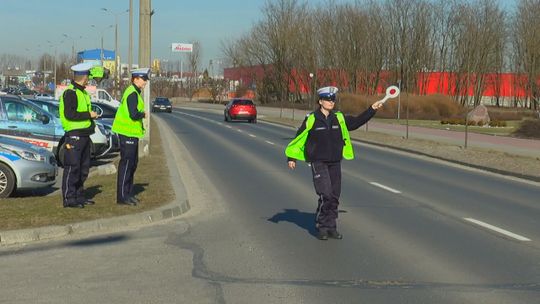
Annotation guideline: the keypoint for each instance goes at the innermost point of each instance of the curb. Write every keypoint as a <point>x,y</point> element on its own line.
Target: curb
<point>169,211</point>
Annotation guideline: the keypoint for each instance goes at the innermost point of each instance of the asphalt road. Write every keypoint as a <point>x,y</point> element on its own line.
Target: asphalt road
<point>415,231</point>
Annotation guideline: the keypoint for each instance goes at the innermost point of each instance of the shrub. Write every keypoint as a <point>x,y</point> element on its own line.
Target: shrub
<point>529,128</point>
<point>500,113</point>
<point>497,123</point>
<point>420,107</point>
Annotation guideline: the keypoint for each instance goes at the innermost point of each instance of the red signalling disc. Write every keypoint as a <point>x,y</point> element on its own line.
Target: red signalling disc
<point>392,91</point>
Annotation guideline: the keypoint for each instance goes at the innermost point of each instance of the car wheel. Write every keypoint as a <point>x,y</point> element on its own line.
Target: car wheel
<point>170,111</point>
<point>59,153</point>
<point>254,120</point>
<point>7,181</point>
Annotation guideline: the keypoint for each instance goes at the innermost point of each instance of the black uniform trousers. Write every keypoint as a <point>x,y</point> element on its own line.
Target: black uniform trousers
<point>76,169</point>
<point>327,182</point>
<point>129,158</point>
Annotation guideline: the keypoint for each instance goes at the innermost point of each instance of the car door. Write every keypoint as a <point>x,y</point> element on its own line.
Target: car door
<point>23,121</point>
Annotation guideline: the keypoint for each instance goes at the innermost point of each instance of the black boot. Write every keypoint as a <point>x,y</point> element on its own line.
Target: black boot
<point>335,234</point>
<point>322,235</point>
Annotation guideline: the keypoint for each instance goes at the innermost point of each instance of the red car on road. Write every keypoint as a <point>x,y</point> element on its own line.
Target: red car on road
<point>240,109</point>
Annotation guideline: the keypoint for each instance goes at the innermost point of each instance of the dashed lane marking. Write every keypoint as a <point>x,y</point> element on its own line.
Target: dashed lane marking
<point>497,229</point>
<point>385,187</point>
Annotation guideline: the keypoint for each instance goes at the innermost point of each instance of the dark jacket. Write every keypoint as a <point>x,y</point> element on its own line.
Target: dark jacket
<point>70,112</point>
<point>325,142</point>
<point>132,101</point>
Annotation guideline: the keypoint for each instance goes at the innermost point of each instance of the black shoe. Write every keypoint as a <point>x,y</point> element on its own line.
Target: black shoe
<point>133,199</point>
<point>322,235</point>
<point>74,206</point>
<point>129,203</point>
<point>89,202</point>
<point>335,234</point>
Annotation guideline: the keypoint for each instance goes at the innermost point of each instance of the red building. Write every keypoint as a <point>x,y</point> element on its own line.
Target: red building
<point>495,85</point>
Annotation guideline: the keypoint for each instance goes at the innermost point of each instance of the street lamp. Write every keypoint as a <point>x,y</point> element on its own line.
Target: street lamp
<point>101,33</point>
<point>116,61</point>
<point>73,43</point>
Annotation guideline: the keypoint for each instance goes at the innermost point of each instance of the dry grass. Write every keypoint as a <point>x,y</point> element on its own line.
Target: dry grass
<point>152,187</point>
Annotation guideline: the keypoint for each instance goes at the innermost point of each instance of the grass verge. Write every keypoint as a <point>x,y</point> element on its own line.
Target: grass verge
<point>152,187</point>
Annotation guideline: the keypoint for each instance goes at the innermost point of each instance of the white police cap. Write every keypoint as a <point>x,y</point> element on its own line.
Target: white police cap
<point>142,72</point>
<point>327,93</point>
<point>82,68</point>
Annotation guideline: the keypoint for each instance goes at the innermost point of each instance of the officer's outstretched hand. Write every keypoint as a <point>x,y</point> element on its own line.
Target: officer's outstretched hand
<point>377,105</point>
<point>93,115</point>
<point>292,164</point>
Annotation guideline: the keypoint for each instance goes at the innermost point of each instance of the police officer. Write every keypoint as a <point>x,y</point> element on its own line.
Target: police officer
<point>128,124</point>
<point>78,122</point>
<point>323,141</point>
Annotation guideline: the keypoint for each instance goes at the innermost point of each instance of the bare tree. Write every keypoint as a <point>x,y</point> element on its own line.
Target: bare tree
<point>526,45</point>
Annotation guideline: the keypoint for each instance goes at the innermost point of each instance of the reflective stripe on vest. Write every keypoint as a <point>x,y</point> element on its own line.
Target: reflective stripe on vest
<point>295,149</point>
<point>123,124</point>
<point>83,105</point>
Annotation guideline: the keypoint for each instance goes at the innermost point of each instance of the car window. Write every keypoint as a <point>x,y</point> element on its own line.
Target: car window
<point>243,102</point>
<point>105,110</point>
<point>20,112</point>
<point>162,101</point>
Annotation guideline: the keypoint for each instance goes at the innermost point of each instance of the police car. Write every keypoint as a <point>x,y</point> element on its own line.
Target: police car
<point>24,166</point>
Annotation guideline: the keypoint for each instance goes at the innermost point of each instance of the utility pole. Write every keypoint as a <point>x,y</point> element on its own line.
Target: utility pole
<point>145,44</point>
<point>130,51</point>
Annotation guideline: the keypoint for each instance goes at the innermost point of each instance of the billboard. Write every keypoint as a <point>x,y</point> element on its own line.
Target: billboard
<point>182,47</point>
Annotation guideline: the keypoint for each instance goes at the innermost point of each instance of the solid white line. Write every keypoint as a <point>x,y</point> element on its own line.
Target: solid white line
<point>252,135</point>
<point>229,127</point>
<point>269,142</point>
<point>497,229</point>
<point>385,187</point>
<point>239,130</point>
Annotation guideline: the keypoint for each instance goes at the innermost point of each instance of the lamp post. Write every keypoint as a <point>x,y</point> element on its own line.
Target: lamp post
<point>101,35</point>
<point>72,43</point>
<point>116,60</point>
<point>54,62</point>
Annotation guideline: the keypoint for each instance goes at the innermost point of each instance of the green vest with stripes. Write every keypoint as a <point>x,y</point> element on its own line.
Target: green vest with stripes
<point>83,105</point>
<point>123,124</point>
<point>295,149</point>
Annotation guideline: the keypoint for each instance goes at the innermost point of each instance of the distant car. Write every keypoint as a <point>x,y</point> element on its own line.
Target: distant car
<point>162,104</point>
<point>24,166</point>
<point>240,109</point>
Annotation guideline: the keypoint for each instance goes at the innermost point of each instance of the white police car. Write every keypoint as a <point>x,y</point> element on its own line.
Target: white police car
<point>24,166</point>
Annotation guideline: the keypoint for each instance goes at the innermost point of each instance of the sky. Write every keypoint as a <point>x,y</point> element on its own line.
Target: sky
<point>33,27</point>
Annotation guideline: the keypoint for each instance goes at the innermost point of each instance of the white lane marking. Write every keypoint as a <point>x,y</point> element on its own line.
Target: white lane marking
<point>269,142</point>
<point>385,187</point>
<point>239,130</point>
<point>251,135</point>
<point>229,127</point>
<point>497,229</point>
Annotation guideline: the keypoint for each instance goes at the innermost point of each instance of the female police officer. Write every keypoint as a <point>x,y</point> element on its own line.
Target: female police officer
<point>323,140</point>
<point>129,126</point>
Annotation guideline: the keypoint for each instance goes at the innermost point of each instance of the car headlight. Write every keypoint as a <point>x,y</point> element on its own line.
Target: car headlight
<point>28,155</point>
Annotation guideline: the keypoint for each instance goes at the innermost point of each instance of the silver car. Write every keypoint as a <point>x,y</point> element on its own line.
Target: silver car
<point>24,166</point>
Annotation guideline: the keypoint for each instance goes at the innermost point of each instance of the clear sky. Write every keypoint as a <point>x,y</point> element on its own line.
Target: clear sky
<point>28,25</point>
